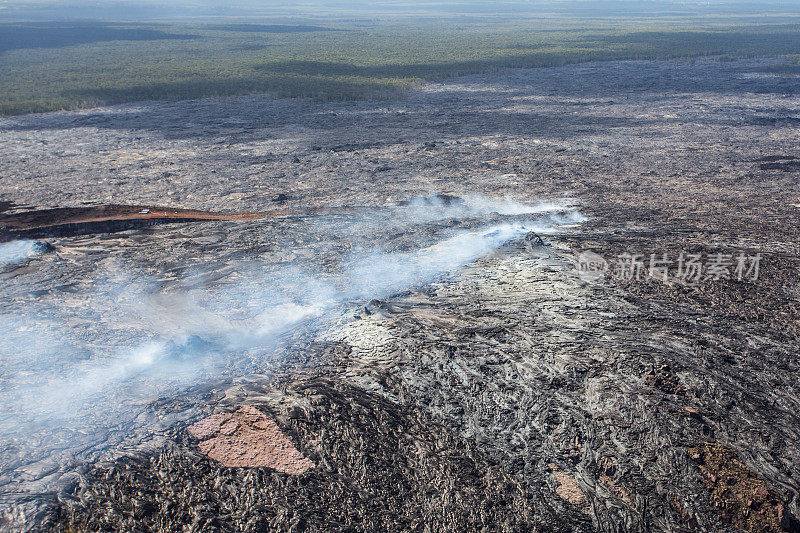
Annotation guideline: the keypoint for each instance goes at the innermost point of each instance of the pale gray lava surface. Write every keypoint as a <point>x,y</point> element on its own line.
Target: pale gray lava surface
<point>508,394</point>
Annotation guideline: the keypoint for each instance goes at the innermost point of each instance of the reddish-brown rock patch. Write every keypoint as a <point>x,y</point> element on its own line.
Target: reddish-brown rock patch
<point>742,499</point>
<point>568,488</point>
<point>247,438</point>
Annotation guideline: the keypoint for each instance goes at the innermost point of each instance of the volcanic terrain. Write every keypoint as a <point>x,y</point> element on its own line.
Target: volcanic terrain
<point>371,316</point>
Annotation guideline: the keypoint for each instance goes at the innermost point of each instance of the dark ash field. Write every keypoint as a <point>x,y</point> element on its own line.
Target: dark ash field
<point>407,344</point>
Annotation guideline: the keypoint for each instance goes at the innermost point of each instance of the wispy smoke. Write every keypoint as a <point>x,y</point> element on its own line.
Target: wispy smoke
<point>53,378</point>
<point>15,252</point>
<point>473,208</point>
<point>379,274</point>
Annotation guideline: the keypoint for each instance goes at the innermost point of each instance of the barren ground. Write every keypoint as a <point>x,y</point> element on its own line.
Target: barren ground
<point>508,395</point>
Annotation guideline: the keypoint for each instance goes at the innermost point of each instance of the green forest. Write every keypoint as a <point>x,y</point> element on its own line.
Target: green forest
<point>46,66</point>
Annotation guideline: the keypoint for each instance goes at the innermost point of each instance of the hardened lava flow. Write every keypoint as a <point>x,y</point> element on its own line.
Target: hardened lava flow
<point>430,356</point>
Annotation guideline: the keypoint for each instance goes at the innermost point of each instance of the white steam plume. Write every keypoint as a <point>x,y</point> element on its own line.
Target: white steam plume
<point>52,378</point>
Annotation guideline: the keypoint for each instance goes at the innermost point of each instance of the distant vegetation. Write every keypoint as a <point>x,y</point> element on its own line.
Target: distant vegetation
<point>51,66</point>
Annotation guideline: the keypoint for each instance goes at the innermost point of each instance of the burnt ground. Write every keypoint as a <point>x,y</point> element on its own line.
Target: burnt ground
<point>70,221</point>
<point>508,395</point>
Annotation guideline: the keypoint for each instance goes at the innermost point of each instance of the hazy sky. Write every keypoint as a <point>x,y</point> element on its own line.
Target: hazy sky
<point>154,9</point>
